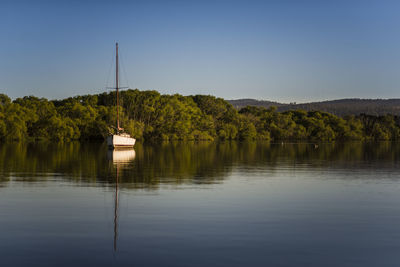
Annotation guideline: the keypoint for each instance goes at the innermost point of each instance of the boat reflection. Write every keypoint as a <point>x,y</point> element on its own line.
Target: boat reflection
<point>119,158</point>
<point>123,156</point>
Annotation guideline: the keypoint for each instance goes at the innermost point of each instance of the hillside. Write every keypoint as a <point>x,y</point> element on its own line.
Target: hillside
<point>341,107</point>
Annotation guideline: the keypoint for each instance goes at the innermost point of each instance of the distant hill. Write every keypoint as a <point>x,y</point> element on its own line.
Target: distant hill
<point>341,107</point>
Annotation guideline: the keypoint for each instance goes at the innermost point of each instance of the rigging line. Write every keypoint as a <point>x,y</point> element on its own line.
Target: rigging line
<point>124,70</point>
<point>109,70</point>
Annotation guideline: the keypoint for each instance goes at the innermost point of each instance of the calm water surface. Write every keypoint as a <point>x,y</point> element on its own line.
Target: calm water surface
<point>200,204</point>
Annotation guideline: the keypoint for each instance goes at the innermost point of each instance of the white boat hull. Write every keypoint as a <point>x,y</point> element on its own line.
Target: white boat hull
<point>116,141</point>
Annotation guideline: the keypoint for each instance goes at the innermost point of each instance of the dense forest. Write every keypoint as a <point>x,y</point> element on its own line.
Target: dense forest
<point>148,115</point>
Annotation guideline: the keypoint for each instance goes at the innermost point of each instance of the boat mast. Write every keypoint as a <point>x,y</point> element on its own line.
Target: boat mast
<point>116,85</point>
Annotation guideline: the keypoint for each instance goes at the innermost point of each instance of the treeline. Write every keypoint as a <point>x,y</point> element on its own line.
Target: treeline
<point>148,115</point>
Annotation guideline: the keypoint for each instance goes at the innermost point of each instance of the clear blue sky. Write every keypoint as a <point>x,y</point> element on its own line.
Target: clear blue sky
<point>276,50</point>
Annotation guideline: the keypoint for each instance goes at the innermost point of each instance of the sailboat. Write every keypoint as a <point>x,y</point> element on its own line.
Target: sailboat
<point>120,139</point>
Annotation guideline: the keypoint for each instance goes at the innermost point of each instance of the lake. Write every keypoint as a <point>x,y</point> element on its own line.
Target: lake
<point>200,204</point>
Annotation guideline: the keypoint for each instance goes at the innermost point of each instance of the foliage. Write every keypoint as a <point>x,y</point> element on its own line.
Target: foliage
<point>151,116</point>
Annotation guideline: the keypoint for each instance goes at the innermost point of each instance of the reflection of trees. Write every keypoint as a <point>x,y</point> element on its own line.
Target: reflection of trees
<point>355,155</point>
<point>176,163</point>
<point>34,160</point>
<point>179,163</point>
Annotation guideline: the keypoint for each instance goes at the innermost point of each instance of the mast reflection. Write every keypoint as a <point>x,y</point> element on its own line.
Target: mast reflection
<point>120,159</point>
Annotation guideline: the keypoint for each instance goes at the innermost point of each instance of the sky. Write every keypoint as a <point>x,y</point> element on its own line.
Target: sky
<point>286,51</point>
